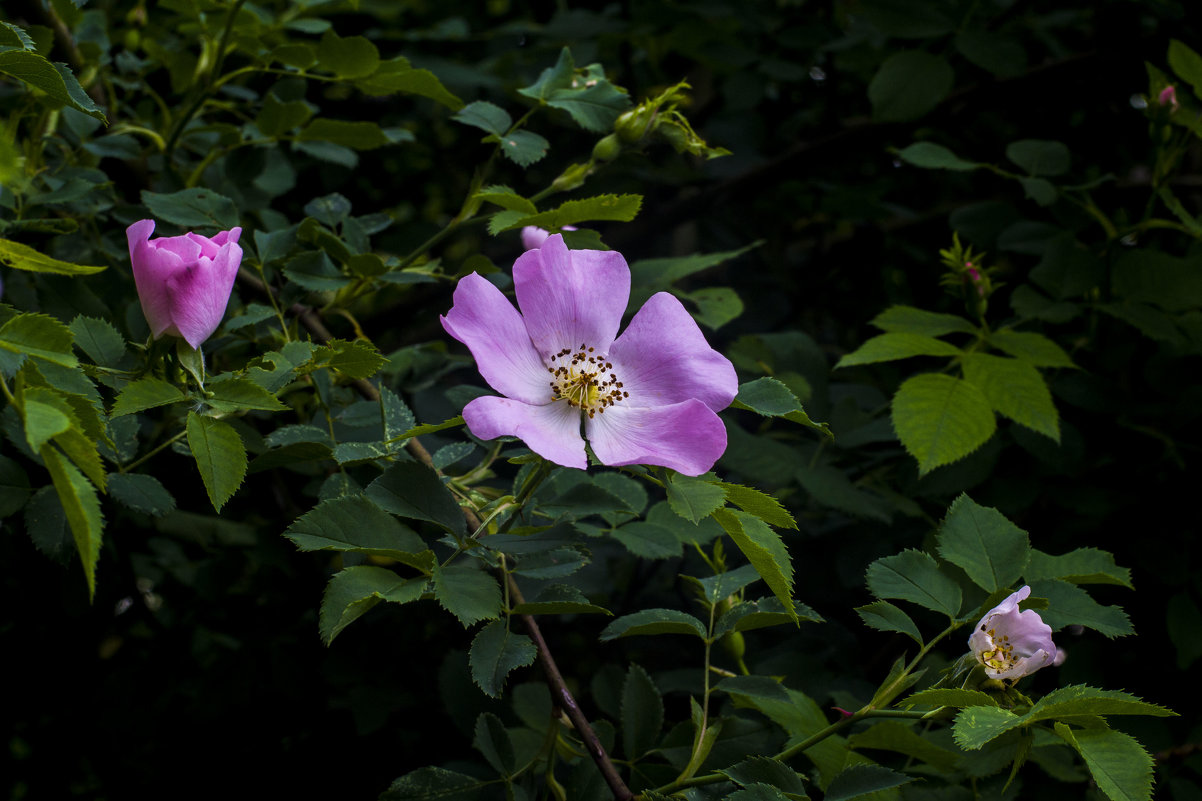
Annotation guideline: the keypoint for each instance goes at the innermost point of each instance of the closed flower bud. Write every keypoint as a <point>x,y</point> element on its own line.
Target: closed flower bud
<point>184,282</point>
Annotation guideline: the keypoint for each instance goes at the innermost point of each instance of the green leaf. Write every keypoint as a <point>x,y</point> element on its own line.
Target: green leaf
<point>276,119</point>
<point>40,336</point>
<point>860,780</point>
<point>1035,349</point>
<point>220,456</point>
<point>485,116</point>
<point>496,651</point>
<point>648,540</point>
<point>993,51</point>
<point>716,305</point>
<point>146,393</point>
<point>397,75</point>
<point>830,486</point>
<point>1041,191</point>
<point>192,208</point>
<point>354,590</point>
<point>471,595</point>
<point>14,487</point>
<point>81,508</point>
<point>54,80</point>
<point>433,784</point>
<point>559,599</point>
<point>765,770</point>
<point>351,57</point>
<point>908,85</point>
<point>909,320</point>
<point>99,340</point>
<point>619,208</point>
<point>355,359</point>
<point>23,257</point>
<point>884,616</point>
<point>1186,62</point>
<point>753,687</point>
<point>894,346</point>
<point>984,544</point>
<point>694,498</point>
<point>1143,275</point>
<point>759,791</point>
<point>642,713</point>
<point>903,739</point>
<point>1080,566</point>
<point>1070,605</point>
<point>771,398</point>
<point>763,613</point>
<point>506,198</point>
<point>977,725</point>
<point>931,156</point>
<point>651,622</point>
<point>354,523</point>
<point>236,394</point>
<point>765,550</point>
<point>914,576</point>
<point>950,696</point>
<point>43,416</point>
<point>494,742</point>
<point>525,148</point>
<point>656,274</point>
<point>1040,156</point>
<point>412,490</point>
<point>1079,699</point>
<point>760,504</point>
<point>941,419</point>
<point>587,95</point>
<point>1119,765</point>
<point>356,135</point>
<point>141,492</point>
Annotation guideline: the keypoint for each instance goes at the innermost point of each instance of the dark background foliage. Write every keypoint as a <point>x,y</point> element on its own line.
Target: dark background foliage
<point>210,677</point>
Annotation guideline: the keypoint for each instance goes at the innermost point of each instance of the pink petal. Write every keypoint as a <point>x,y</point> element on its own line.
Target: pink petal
<point>687,437</point>
<point>200,292</point>
<point>483,319</point>
<point>551,430</point>
<point>534,237</point>
<point>662,358</point>
<point>570,298</point>
<point>151,268</point>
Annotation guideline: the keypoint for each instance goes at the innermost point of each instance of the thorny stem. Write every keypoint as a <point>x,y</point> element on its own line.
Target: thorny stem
<point>560,693</point>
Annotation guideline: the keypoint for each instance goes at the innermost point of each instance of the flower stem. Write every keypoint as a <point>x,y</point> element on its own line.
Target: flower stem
<point>149,454</point>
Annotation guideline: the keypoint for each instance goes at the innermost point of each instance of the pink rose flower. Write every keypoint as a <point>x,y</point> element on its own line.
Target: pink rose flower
<point>649,396</point>
<point>1012,644</point>
<point>184,282</point>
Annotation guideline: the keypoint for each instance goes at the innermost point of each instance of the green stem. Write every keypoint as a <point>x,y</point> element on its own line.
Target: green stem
<point>152,452</point>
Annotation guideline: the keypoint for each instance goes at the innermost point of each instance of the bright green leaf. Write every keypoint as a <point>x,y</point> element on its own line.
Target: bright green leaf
<point>765,550</point>
<point>23,257</point>
<point>941,419</point>
<point>40,336</point>
<point>694,498</point>
<point>893,346</point>
<point>977,725</point>
<point>146,393</point>
<point>220,456</point>
<point>81,507</point>
<point>1119,765</point>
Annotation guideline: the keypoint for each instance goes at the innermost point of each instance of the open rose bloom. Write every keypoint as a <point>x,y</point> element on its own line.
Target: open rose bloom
<point>184,282</point>
<point>1012,644</point>
<point>649,396</point>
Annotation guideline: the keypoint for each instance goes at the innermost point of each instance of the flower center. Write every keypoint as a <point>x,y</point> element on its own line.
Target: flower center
<point>585,380</point>
<point>1002,656</point>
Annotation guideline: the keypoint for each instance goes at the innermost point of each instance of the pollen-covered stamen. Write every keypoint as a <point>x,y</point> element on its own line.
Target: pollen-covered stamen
<point>585,380</point>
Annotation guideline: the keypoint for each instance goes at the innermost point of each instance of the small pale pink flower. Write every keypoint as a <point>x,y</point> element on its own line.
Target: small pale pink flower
<point>1012,644</point>
<point>534,237</point>
<point>649,396</point>
<point>184,282</point>
<point>1168,97</point>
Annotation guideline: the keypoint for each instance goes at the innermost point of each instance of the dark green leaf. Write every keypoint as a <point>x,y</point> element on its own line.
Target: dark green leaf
<point>492,740</point>
<point>653,621</point>
<point>141,492</point>
<point>397,75</point>
<point>981,541</point>
<point>1040,156</point>
<point>694,498</point>
<point>909,320</point>
<point>410,489</point>
<point>1070,605</point>
<point>192,208</point>
<point>1035,349</point>
<point>914,576</point>
<point>765,550</point>
<point>908,85</point>
<point>496,651</point>
<point>55,80</point>
<point>559,599</point>
<point>1119,765</point>
<point>860,780</point>
<point>354,523</point>
<point>941,419</point>
<point>1080,566</point>
<point>884,616</point>
<point>524,147</point>
<point>469,594</point>
<point>642,713</point>
<point>351,57</point>
<point>220,456</point>
<point>931,156</point>
<point>433,784</point>
<point>485,116</point>
<point>354,590</point>
<point>772,398</point>
<point>99,340</point>
<point>236,394</point>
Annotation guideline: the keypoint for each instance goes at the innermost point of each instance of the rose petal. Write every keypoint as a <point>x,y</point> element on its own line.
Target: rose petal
<point>687,437</point>
<point>662,358</point>
<point>551,430</point>
<point>151,268</point>
<point>200,293</point>
<point>570,298</point>
<point>483,319</point>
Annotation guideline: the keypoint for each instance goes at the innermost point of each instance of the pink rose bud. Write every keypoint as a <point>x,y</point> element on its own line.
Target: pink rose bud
<point>1168,97</point>
<point>533,237</point>
<point>184,282</point>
